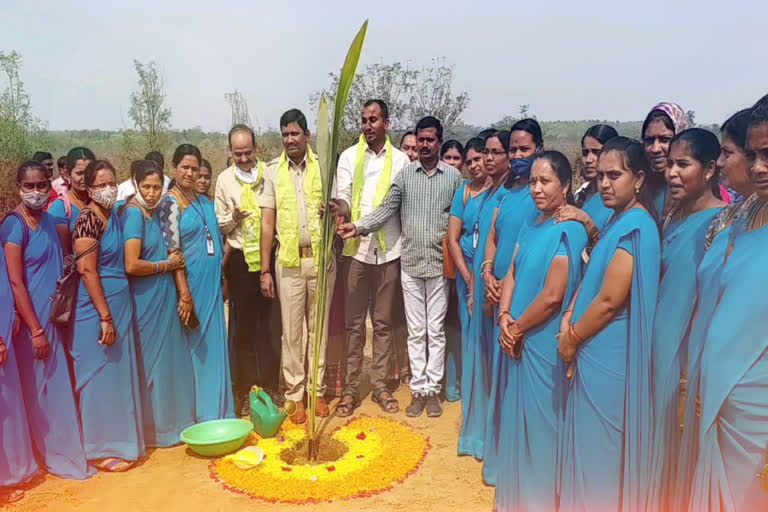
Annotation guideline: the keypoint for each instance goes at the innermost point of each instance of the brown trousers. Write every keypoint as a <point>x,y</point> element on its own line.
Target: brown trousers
<point>381,284</point>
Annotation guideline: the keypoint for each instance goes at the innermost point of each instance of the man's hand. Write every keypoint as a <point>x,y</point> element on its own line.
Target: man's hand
<point>3,352</point>
<point>337,206</point>
<point>267,285</point>
<point>347,230</point>
<point>238,215</point>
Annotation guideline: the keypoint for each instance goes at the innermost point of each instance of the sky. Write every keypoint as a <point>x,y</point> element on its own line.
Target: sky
<point>593,59</point>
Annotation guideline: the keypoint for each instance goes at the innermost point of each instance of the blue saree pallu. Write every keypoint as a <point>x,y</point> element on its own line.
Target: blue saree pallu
<point>51,411</point>
<point>515,210</point>
<point>476,371</point>
<point>534,402</point>
<point>606,434</point>
<point>682,249</point>
<point>733,438</point>
<point>17,460</point>
<point>165,362</point>
<point>106,377</point>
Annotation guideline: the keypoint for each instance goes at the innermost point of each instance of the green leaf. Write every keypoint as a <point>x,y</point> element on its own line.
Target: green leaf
<point>323,138</point>
<point>327,150</point>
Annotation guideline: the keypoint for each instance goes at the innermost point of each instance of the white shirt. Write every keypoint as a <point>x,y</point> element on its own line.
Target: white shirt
<point>125,189</point>
<point>369,251</point>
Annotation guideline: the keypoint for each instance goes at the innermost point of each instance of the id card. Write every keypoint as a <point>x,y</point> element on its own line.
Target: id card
<point>209,243</point>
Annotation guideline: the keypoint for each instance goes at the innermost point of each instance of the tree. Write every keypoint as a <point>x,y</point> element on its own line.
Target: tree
<point>691,117</point>
<point>434,96</point>
<point>239,107</point>
<point>19,129</point>
<point>410,95</point>
<point>524,110</point>
<point>151,118</point>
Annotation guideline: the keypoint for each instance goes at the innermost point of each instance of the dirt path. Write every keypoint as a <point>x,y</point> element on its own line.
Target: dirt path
<point>170,480</point>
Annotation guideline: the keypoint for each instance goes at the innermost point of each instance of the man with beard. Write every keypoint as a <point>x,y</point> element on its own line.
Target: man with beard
<point>365,173</point>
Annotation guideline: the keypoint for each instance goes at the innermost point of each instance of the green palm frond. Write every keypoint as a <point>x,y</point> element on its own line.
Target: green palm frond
<point>327,147</point>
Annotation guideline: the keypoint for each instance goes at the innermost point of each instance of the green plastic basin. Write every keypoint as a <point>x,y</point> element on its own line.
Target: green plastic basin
<point>217,437</point>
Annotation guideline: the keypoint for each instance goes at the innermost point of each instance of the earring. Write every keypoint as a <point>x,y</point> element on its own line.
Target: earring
<point>637,191</point>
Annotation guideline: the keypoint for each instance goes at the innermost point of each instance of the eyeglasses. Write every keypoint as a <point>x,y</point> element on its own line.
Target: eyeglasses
<point>494,152</point>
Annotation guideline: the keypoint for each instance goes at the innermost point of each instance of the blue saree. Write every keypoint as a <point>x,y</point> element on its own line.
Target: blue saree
<point>51,411</point>
<point>188,228</point>
<point>467,212</point>
<point>534,401</point>
<point>606,432</point>
<point>165,363</point>
<point>597,211</point>
<point>475,375</point>
<point>106,377</point>
<point>708,295</point>
<point>17,460</point>
<point>59,210</point>
<point>733,438</point>
<point>515,210</point>
<point>682,249</point>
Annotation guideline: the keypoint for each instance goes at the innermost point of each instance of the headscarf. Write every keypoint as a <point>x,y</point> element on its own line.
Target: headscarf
<point>676,113</point>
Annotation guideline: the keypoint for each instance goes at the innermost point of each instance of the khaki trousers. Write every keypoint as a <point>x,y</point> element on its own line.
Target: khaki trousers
<point>296,288</point>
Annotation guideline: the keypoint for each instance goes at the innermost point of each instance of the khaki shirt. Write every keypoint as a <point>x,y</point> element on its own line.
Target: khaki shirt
<point>267,194</point>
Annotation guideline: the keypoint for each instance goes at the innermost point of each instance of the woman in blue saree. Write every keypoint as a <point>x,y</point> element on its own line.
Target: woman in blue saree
<point>452,153</point>
<point>605,337</point>
<point>476,376</point>
<point>662,123</point>
<point>464,211</point>
<point>17,460</point>
<point>733,168</point>
<point>544,274</point>
<point>35,261</point>
<point>189,225</point>
<point>587,197</point>
<point>731,468</point>
<point>103,342</point>
<point>514,211</point>
<point>68,206</point>
<point>165,369</point>
<point>693,181</point>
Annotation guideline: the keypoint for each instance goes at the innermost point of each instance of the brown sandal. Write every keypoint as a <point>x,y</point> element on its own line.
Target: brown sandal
<point>389,405</point>
<point>345,409</point>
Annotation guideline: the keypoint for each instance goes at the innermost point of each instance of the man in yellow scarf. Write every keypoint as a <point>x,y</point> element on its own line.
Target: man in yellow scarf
<point>254,320</point>
<point>290,201</point>
<point>365,173</point>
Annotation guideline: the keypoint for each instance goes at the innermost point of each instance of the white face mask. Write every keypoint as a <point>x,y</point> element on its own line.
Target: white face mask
<point>35,200</point>
<point>105,197</point>
<point>140,198</point>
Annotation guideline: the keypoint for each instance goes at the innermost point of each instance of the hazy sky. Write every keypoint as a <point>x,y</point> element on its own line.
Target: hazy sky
<point>567,59</point>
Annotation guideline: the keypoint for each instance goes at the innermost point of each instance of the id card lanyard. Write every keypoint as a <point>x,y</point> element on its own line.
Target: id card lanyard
<point>208,236</point>
<point>476,228</point>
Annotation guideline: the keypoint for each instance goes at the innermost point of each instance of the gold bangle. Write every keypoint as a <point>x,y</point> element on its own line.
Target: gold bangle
<point>575,336</point>
<point>484,263</point>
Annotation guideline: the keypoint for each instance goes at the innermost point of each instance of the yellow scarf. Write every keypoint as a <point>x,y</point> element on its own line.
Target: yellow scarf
<point>382,187</point>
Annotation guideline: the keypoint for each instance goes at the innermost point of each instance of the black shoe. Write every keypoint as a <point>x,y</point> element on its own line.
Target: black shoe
<point>434,407</point>
<point>418,402</point>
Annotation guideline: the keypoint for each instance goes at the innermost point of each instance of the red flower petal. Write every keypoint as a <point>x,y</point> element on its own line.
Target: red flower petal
<point>361,436</point>
<point>286,469</point>
<point>331,468</point>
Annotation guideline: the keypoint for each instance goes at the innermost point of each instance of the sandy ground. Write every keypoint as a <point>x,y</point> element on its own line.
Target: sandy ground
<point>172,480</point>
